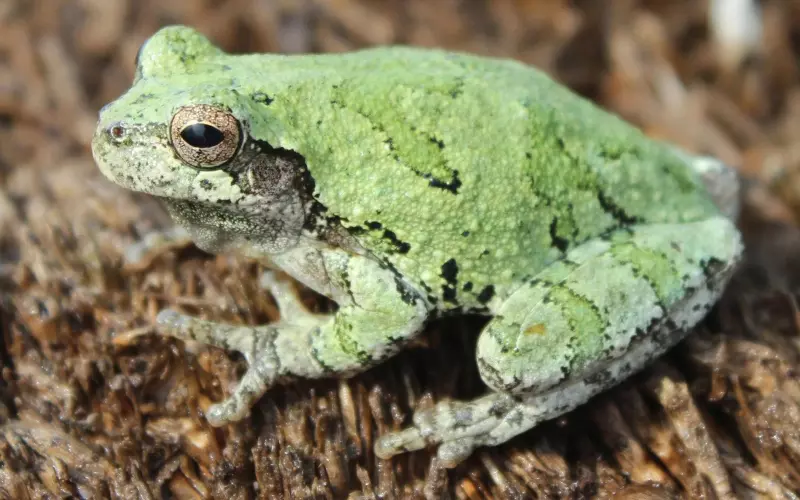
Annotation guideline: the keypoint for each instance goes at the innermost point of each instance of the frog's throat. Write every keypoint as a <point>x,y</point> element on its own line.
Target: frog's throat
<point>255,230</point>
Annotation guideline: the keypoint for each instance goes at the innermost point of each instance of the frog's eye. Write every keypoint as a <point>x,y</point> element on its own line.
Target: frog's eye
<point>205,136</point>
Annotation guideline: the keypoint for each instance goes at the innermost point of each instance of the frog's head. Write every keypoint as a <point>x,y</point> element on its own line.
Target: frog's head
<point>182,132</point>
<point>180,126</point>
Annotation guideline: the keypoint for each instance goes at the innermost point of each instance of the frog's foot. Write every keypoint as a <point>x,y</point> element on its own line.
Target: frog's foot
<point>139,255</point>
<point>457,427</point>
<point>255,343</point>
<point>272,351</point>
<point>303,344</point>
<point>460,427</point>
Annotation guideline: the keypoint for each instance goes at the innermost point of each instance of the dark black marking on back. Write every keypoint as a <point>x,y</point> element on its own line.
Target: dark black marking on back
<point>398,246</point>
<point>617,212</point>
<point>450,185</point>
<point>406,295</point>
<point>450,275</point>
<point>262,98</point>
<point>486,294</point>
<point>438,142</point>
<point>561,243</point>
<point>712,267</point>
<point>401,246</point>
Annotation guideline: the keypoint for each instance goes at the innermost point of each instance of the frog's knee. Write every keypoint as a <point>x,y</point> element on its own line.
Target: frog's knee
<point>722,183</point>
<point>720,180</point>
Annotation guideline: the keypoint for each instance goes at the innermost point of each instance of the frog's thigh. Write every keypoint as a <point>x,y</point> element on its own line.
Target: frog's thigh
<point>605,297</point>
<point>579,327</point>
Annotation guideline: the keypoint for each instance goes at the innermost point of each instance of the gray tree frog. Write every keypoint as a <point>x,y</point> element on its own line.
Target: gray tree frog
<point>408,184</point>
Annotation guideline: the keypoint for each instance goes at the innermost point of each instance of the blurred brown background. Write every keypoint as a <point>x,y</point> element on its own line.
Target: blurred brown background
<point>91,406</point>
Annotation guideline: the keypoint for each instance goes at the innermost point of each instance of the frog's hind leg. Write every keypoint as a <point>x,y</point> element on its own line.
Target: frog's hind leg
<point>579,327</point>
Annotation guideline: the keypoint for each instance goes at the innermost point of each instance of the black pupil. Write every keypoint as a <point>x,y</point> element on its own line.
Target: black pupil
<point>200,135</point>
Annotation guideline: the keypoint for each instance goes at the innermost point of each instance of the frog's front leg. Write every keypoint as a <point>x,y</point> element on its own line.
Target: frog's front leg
<point>579,327</point>
<point>377,314</point>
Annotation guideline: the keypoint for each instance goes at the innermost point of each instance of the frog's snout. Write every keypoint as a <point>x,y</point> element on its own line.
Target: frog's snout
<point>102,136</point>
<point>107,130</point>
<point>107,137</point>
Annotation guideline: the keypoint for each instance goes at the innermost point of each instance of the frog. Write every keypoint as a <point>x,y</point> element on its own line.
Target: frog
<point>409,184</point>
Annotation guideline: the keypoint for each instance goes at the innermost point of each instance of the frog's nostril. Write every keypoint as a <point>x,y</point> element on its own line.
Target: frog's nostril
<point>116,131</point>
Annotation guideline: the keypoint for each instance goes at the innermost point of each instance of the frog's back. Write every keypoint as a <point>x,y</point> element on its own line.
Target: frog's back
<point>469,174</point>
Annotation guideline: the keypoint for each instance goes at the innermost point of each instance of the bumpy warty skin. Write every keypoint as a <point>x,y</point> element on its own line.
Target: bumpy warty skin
<point>407,183</point>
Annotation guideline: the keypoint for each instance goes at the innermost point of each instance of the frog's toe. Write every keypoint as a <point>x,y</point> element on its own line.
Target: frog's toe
<point>454,452</point>
<point>252,386</point>
<point>254,342</point>
<point>174,324</point>
<point>451,452</point>
<point>395,443</point>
